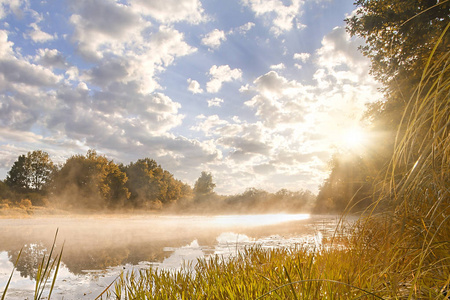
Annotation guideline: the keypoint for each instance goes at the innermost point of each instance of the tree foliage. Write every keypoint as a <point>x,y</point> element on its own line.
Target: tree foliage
<point>399,34</point>
<point>91,181</point>
<point>349,185</point>
<point>204,184</point>
<point>150,184</point>
<point>31,172</point>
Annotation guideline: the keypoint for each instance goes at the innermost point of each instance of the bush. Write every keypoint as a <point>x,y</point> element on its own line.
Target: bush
<point>25,203</point>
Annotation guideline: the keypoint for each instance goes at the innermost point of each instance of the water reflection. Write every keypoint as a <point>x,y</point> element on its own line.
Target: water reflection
<point>98,248</point>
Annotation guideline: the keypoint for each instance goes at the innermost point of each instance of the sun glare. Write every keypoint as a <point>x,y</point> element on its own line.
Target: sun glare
<point>354,138</point>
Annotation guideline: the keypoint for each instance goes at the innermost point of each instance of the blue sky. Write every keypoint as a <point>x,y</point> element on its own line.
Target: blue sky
<point>258,92</point>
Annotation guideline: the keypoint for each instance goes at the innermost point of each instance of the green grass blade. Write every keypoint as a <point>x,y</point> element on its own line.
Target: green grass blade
<point>10,277</point>
<point>56,272</point>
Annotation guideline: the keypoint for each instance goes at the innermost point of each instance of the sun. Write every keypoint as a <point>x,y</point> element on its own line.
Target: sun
<point>354,138</point>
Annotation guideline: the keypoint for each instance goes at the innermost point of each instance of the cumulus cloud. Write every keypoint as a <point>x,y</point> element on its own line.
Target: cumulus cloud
<point>280,15</point>
<point>169,11</point>
<point>194,86</point>
<point>133,58</point>
<point>15,71</point>
<point>214,39</point>
<point>221,74</point>
<point>50,58</point>
<point>15,6</point>
<point>39,36</point>
<point>340,57</point>
<point>246,27</point>
<point>279,66</point>
<point>215,102</point>
<point>104,26</point>
<point>303,57</point>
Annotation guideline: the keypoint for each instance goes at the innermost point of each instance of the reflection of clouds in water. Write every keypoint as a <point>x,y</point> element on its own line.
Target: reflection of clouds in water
<point>18,283</point>
<point>229,242</point>
<point>188,253</point>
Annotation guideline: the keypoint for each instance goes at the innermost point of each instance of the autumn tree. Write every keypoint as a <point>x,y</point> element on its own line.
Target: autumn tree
<point>91,181</point>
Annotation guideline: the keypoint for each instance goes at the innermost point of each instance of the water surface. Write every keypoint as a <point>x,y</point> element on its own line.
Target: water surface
<point>98,248</point>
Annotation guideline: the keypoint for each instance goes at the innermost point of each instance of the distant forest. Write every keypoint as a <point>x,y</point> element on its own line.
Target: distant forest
<point>93,182</point>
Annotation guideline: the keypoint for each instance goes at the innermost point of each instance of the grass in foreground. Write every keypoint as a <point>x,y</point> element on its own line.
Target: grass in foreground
<point>292,273</point>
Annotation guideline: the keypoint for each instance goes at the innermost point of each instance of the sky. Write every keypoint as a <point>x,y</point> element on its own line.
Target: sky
<point>260,93</point>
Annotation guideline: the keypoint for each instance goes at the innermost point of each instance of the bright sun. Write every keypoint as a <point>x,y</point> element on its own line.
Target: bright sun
<point>354,138</point>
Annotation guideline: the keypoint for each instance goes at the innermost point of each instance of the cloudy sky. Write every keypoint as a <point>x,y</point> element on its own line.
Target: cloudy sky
<point>258,92</point>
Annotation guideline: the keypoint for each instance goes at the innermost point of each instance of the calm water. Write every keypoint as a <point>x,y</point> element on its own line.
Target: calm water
<point>98,248</point>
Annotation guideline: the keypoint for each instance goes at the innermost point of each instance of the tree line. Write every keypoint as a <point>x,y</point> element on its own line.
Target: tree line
<point>94,182</point>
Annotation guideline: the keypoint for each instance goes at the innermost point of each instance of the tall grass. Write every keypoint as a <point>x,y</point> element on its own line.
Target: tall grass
<point>257,273</point>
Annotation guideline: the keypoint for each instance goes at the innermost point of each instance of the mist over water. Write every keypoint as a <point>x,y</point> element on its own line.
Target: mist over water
<point>97,248</point>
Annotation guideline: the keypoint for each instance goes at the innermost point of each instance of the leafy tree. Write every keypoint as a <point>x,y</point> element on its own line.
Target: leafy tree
<point>349,180</point>
<point>204,184</point>
<point>91,181</point>
<point>149,183</point>
<point>399,34</point>
<point>31,172</point>
<point>17,176</point>
<point>41,169</point>
<point>5,191</point>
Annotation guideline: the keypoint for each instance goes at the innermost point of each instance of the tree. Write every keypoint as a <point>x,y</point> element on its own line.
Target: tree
<point>31,172</point>
<point>149,183</point>
<point>41,169</point>
<point>17,176</point>
<point>91,181</point>
<point>349,184</point>
<point>204,184</point>
<point>399,34</point>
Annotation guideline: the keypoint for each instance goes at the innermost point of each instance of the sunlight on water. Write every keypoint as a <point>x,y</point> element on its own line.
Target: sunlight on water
<point>258,220</point>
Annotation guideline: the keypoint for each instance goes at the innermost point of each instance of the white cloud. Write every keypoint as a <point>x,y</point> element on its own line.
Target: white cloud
<point>15,6</point>
<point>39,36</point>
<point>303,57</point>
<point>105,27</point>
<point>279,66</point>
<point>16,72</point>
<point>6,47</point>
<point>169,11</point>
<point>215,102</point>
<point>214,39</point>
<point>194,86</point>
<point>243,28</point>
<point>219,75</point>
<point>139,62</point>
<point>246,27</point>
<point>281,16</point>
<point>50,58</point>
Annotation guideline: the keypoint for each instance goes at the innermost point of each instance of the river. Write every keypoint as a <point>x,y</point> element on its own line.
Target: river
<point>98,248</point>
